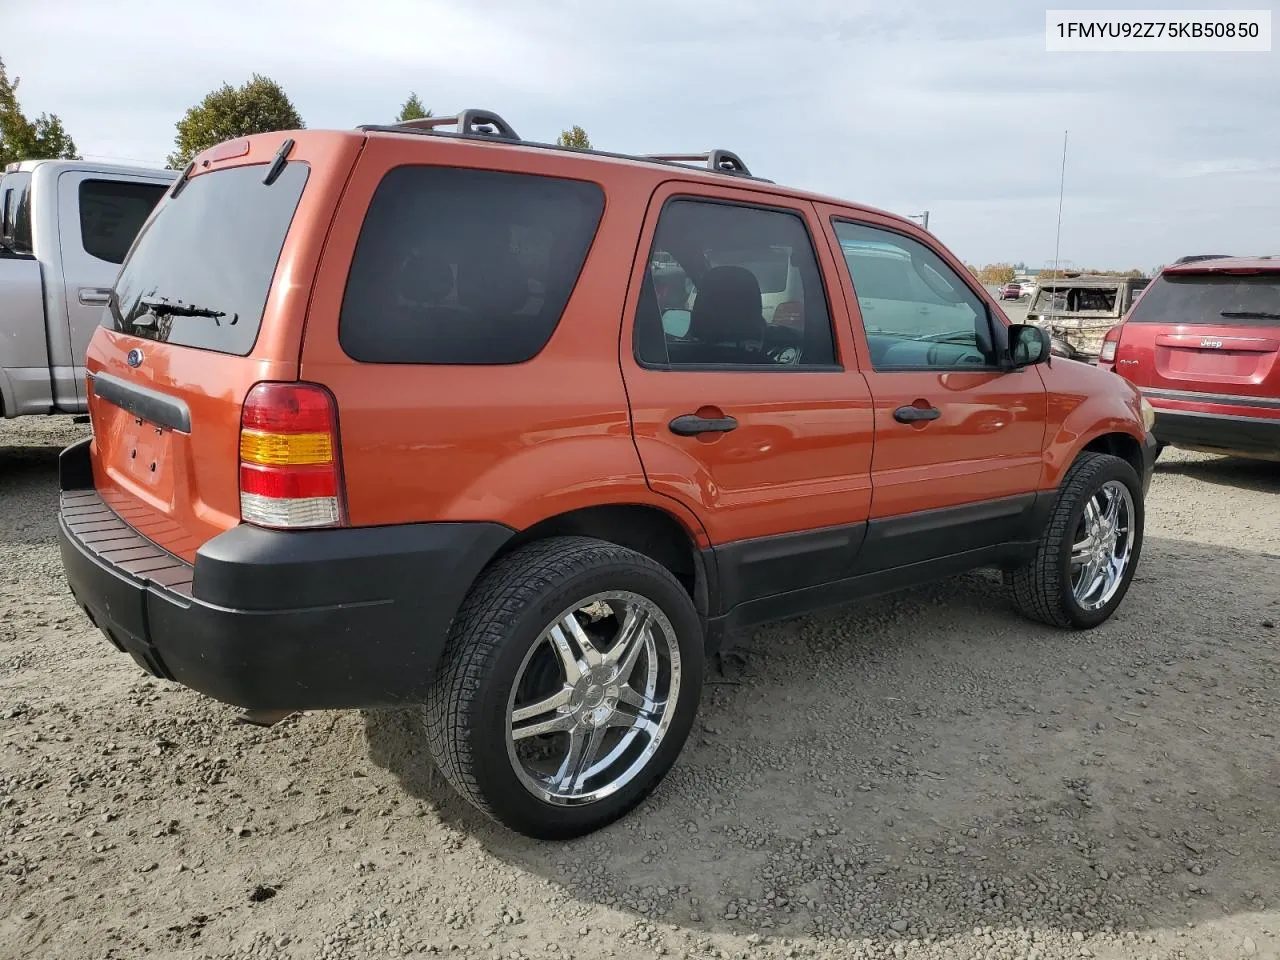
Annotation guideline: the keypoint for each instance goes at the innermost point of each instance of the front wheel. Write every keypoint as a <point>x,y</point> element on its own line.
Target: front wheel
<point>1088,551</point>
<point>568,686</point>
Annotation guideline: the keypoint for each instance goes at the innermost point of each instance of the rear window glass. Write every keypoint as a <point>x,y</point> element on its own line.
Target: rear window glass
<point>201,271</point>
<point>111,214</point>
<point>465,266</point>
<point>1211,298</point>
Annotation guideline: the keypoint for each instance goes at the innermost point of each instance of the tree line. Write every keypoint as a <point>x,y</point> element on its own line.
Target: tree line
<point>259,105</point>
<point>998,273</point>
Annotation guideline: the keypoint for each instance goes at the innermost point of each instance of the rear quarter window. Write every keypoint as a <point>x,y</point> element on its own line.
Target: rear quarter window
<point>458,266</point>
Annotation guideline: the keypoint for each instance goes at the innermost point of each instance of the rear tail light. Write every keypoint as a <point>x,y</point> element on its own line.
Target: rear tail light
<point>290,474</point>
<point>1109,344</point>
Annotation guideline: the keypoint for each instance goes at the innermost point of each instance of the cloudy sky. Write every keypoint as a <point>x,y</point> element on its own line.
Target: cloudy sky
<point>954,108</point>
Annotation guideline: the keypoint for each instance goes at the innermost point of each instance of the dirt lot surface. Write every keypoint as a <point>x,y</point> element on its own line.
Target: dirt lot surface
<point>921,776</point>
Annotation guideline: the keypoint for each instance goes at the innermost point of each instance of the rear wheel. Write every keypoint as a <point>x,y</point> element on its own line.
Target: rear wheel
<point>568,686</point>
<point>1089,550</point>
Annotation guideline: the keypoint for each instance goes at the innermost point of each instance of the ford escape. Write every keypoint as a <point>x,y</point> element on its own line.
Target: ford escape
<point>409,415</point>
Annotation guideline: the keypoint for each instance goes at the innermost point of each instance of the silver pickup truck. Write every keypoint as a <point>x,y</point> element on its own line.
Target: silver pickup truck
<point>65,227</point>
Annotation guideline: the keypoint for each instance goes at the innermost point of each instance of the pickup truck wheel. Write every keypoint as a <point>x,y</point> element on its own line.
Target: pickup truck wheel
<point>1088,551</point>
<point>568,686</point>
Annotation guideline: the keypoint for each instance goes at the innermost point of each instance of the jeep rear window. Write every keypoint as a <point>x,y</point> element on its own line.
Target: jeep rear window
<point>211,249</point>
<point>458,266</point>
<point>1216,298</point>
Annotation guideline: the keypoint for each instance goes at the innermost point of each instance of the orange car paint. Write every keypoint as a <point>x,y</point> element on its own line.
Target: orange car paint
<point>582,424</point>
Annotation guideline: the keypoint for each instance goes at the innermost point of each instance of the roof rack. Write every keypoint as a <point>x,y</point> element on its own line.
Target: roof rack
<point>721,161</point>
<point>469,123</point>
<point>487,125</point>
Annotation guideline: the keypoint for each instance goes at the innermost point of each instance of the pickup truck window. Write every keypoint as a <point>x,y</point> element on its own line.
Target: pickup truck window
<point>111,214</point>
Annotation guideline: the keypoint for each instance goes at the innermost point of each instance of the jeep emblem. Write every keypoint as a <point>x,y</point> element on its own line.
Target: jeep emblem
<point>134,358</point>
<point>1210,342</point>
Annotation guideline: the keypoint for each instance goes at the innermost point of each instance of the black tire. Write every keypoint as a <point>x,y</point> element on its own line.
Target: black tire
<point>500,620</point>
<point>1041,589</point>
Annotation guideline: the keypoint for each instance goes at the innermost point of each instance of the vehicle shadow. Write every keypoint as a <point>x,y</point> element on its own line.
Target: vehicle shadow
<point>1260,475</point>
<point>928,762</point>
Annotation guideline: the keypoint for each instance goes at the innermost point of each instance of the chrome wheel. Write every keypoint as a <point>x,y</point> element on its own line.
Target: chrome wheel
<point>1103,545</point>
<point>593,699</point>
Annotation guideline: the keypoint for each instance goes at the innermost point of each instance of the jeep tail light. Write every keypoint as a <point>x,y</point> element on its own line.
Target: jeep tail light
<point>290,474</point>
<point>1109,344</point>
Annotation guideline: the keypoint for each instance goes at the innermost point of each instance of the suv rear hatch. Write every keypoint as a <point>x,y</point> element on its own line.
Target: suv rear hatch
<point>1207,332</point>
<point>210,301</point>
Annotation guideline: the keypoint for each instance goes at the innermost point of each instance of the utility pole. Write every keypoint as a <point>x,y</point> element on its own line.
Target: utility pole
<point>1062,181</point>
<point>922,217</point>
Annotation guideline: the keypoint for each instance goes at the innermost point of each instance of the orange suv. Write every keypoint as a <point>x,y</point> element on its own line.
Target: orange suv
<point>397,415</point>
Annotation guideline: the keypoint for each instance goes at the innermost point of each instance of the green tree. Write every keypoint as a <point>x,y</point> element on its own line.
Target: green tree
<point>257,106</point>
<point>43,138</point>
<point>574,137</point>
<point>412,109</point>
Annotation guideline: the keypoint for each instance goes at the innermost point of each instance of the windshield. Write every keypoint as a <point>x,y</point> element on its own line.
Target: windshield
<point>1216,298</point>
<point>201,269</point>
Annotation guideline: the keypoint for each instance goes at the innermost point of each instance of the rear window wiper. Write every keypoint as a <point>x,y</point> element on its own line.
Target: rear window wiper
<point>164,307</point>
<point>1249,314</point>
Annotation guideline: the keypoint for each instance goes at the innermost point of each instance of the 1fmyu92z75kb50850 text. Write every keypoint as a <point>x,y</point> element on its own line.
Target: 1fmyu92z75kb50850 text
<point>1158,31</point>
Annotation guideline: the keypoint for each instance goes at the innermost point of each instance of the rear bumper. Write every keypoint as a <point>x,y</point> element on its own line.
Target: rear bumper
<point>1229,433</point>
<point>267,619</point>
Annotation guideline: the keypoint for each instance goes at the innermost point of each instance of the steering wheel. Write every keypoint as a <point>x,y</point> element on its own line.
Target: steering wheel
<point>782,345</point>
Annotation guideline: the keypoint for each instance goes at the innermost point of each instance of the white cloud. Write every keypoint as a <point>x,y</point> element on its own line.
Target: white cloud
<point>910,106</point>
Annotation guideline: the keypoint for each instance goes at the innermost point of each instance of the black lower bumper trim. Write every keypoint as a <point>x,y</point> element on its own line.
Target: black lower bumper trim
<point>1215,431</point>
<point>289,619</point>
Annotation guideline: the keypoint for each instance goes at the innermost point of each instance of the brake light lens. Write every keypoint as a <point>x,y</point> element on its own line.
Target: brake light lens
<point>1109,344</point>
<point>290,474</point>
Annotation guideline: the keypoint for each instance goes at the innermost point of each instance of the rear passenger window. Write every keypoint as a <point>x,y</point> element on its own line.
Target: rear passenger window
<point>729,285</point>
<point>111,214</point>
<point>465,266</point>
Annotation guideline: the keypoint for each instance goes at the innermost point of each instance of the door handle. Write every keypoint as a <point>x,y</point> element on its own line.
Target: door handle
<point>690,425</point>
<point>94,296</point>
<point>910,414</point>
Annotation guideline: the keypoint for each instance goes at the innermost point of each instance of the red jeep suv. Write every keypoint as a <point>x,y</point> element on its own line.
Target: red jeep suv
<point>1203,345</point>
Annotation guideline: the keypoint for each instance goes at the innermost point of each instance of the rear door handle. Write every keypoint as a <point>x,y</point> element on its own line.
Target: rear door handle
<point>94,296</point>
<point>690,425</point>
<point>911,414</point>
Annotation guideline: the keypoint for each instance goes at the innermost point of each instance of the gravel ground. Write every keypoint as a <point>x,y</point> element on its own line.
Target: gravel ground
<point>921,776</point>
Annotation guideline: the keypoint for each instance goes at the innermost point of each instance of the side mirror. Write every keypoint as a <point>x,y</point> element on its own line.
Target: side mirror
<point>1028,345</point>
<point>675,323</point>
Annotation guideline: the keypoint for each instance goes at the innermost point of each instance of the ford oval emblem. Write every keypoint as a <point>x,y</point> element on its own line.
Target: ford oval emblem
<point>134,358</point>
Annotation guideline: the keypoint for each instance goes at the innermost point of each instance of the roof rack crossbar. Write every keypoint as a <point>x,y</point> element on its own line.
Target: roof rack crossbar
<point>470,123</point>
<point>721,161</point>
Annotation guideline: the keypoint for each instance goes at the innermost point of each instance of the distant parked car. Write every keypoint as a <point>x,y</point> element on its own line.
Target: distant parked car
<point>1011,291</point>
<point>1203,346</point>
<point>1028,287</point>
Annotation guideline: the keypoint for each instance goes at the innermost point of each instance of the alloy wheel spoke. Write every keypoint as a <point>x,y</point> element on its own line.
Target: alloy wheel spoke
<point>1081,551</point>
<point>584,745</point>
<point>632,639</point>
<point>1113,507</point>
<point>546,716</point>
<point>573,646</point>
